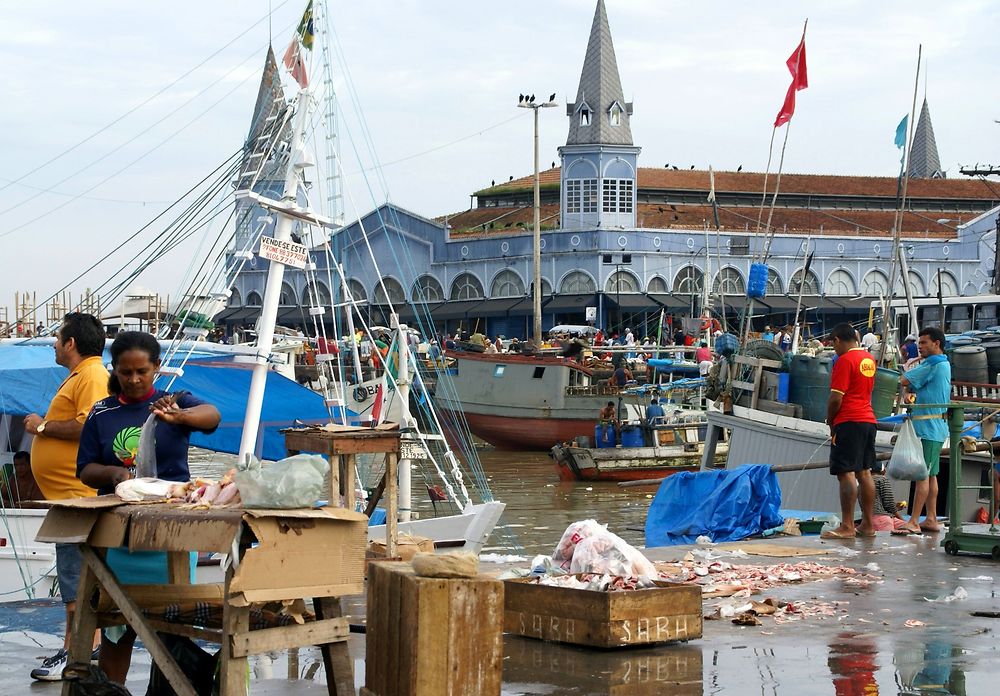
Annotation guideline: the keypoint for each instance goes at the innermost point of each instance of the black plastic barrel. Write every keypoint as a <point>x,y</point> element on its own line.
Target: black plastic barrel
<point>970,364</point>
<point>992,360</point>
<point>809,385</point>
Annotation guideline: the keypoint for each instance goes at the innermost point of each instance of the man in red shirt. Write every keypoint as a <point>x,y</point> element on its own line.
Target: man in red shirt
<point>852,432</point>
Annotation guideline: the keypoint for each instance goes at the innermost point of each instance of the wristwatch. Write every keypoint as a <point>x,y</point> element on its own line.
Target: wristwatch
<point>41,427</point>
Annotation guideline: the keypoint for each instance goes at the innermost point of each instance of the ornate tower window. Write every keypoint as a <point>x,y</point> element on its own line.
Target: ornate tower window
<point>615,114</point>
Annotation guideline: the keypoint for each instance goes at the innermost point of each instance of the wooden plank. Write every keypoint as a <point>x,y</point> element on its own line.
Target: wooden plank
<point>336,658</point>
<point>179,567</point>
<point>428,652</point>
<point>350,462</point>
<point>375,496</point>
<point>391,503</point>
<point>475,636</point>
<point>232,669</point>
<point>292,636</point>
<point>154,596</point>
<point>81,643</point>
<point>137,621</point>
<point>334,492</point>
<point>212,635</point>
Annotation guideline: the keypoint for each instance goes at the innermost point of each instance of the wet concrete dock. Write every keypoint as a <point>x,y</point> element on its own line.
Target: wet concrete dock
<point>866,648</point>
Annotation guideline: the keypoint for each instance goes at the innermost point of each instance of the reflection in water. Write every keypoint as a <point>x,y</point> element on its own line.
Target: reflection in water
<point>852,664</point>
<point>533,667</point>
<point>932,668</point>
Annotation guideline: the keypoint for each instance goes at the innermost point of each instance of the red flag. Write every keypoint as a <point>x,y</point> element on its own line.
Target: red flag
<point>797,66</point>
<point>293,61</point>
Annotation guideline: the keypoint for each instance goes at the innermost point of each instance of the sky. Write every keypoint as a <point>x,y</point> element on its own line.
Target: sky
<point>112,110</point>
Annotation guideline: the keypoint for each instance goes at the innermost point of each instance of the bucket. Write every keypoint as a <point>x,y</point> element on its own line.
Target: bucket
<point>632,436</point>
<point>884,393</point>
<point>970,364</point>
<point>604,435</point>
<point>809,385</point>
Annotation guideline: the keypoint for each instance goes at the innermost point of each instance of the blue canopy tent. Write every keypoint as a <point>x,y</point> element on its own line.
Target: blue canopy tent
<point>29,378</point>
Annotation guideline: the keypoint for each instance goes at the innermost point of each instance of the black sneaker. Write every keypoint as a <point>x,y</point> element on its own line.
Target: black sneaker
<point>52,667</point>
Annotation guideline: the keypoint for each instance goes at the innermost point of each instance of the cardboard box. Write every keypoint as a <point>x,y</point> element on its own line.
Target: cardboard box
<point>288,554</point>
<point>407,546</point>
<point>666,613</point>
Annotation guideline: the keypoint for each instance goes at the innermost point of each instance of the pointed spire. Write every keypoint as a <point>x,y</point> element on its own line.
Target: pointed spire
<point>924,160</point>
<point>600,114</point>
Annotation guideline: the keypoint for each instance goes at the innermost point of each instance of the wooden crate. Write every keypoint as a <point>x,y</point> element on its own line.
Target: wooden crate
<point>659,614</point>
<point>432,636</point>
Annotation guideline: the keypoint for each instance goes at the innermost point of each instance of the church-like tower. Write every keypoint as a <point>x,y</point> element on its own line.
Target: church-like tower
<point>924,160</point>
<point>598,176</point>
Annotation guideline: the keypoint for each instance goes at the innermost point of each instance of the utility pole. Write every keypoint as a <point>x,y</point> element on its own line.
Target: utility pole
<point>528,102</point>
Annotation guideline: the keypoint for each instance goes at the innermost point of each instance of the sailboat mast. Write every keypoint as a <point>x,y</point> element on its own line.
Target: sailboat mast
<point>537,244</point>
<point>272,290</point>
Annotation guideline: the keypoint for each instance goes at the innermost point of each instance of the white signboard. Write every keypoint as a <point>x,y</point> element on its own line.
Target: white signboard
<point>591,313</point>
<point>284,252</point>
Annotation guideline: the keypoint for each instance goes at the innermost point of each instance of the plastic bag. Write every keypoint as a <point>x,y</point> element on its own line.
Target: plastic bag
<point>295,482</point>
<point>907,461</point>
<point>574,534</point>
<point>607,553</point>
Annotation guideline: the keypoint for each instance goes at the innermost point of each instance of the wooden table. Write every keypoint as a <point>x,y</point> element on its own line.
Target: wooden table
<point>271,557</point>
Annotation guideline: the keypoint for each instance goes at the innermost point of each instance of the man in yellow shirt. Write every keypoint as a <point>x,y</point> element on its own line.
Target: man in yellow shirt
<point>79,346</point>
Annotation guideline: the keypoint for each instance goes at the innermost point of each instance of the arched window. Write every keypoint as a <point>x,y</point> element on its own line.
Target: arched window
<point>389,291</point>
<point>287,297</point>
<point>584,114</point>
<point>427,289</point>
<point>689,281</point>
<point>949,284</point>
<point>318,295</point>
<point>546,287</point>
<point>774,286</point>
<point>507,283</point>
<point>615,114</point>
<point>841,283</point>
<point>809,284</point>
<point>729,281</point>
<point>235,300</point>
<point>621,281</point>
<point>875,284</point>
<point>577,283</point>
<point>357,290</point>
<point>253,299</point>
<point>657,285</point>
<point>917,287</point>
<point>466,287</point>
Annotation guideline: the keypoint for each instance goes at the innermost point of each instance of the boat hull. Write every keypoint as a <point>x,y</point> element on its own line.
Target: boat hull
<point>623,463</point>
<point>531,433</point>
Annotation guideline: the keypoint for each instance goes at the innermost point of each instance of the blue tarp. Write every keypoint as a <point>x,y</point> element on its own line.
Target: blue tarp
<point>29,378</point>
<point>724,505</point>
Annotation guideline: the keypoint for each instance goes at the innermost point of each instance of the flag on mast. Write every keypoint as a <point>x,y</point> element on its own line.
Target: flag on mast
<point>303,39</point>
<point>797,67</point>
<point>900,140</point>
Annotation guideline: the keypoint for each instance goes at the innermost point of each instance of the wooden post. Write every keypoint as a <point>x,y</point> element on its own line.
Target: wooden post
<point>232,670</point>
<point>84,624</point>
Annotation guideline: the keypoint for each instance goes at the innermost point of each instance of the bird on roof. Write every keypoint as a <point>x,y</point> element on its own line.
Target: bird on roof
<point>552,97</point>
<point>553,164</point>
<point>520,98</point>
<point>667,165</point>
<point>739,168</point>
<point>532,100</point>
<point>493,182</point>
<point>510,179</point>
<point>675,166</point>
<point>692,166</point>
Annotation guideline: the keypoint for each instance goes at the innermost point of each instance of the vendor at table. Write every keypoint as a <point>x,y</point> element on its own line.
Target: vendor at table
<point>108,446</point>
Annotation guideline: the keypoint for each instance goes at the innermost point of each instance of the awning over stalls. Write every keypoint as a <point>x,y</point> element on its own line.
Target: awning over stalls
<point>410,311</point>
<point>787,303</point>
<point>504,306</point>
<point>672,301</point>
<point>632,301</point>
<point>852,303</point>
<point>566,304</point>
<point>243,315</point>
<point>459,309</point>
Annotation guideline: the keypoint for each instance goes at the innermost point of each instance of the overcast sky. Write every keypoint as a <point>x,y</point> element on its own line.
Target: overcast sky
<point>438,83</point>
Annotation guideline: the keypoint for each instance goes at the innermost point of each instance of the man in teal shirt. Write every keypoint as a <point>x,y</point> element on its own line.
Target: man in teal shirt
<point>930,382</point>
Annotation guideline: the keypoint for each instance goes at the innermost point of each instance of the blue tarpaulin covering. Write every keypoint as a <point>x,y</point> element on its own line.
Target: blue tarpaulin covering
<point>30,377</point>
<point>724,505</point>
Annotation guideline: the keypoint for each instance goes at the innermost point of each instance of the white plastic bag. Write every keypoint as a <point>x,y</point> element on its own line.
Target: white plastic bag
<point>907,461</point>
<point>607,553</point>
<point>574,534</point>
<point>295,482</point>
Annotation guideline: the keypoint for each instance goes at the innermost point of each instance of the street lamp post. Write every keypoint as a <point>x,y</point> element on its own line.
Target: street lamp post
<point>528,102</point>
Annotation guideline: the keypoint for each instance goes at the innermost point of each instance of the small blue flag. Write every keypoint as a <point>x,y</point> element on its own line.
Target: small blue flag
<point>901,132</point>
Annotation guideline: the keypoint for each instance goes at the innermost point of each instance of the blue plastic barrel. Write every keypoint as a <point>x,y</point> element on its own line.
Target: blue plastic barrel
<point>632,436</point>
<point>604,435</point>
<point>757,283</point>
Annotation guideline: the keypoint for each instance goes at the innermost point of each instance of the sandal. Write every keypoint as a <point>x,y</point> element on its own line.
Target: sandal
<point>834,534</point>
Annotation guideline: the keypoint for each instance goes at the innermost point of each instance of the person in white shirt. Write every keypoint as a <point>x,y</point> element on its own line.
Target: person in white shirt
<point>869,340</point>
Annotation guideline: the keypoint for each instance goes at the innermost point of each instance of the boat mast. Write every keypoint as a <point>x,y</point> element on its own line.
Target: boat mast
<point>403,393</point>
<point>275,276</point>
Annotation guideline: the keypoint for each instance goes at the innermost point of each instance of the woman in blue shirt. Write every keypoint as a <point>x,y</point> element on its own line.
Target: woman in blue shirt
<point>108,446</point>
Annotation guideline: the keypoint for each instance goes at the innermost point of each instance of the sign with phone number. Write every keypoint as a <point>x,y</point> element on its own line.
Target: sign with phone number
<point>284,252</point>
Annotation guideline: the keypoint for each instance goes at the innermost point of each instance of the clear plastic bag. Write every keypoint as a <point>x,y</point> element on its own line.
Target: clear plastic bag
<point>295,482</point>
<point>574,534</point>
<point>907,461</point>
<point>607,553</point>
<point>145,457</point>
